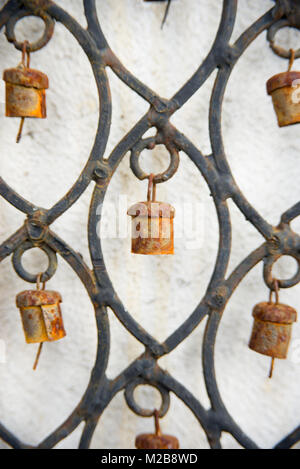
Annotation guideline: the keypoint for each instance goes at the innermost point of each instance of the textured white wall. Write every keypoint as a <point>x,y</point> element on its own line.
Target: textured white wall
<point>159,292</point>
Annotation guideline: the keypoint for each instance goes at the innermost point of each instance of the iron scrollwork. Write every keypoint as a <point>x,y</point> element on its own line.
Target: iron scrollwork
<point>36,232</point>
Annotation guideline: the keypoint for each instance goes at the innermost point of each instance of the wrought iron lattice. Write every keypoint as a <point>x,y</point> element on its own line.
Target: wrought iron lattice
<point>214,168</point>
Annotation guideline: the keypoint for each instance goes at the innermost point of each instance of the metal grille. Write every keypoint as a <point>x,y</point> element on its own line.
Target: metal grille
<point>214,168</point>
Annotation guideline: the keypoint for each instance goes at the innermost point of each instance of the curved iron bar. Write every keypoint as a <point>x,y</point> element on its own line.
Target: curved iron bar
<point>216,172</point>
<point>290,440</point>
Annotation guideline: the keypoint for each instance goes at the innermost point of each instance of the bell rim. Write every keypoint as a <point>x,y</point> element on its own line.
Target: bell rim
<point>268,353</point>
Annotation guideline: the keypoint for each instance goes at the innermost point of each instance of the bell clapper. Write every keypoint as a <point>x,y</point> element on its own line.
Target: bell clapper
<point>19,136</point>
<point>275,282</point>
<point>38,356</point>
<point>38,287</point>
<point>166,14</point>
<point>272,368</point>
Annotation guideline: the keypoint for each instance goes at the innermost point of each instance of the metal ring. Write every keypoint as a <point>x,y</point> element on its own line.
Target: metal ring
<point>271,38</point>
<point>48,33</point>
<point>150,143</point>
<point>132,404</point>
<point>31,278</point>
<point>283,283</point>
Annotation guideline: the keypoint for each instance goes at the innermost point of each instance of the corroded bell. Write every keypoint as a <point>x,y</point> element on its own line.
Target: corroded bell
<point>156,440</point>
<point>272,329</point>
<point>152,226</point>
<point>25,92</point>
<point>41,315</point>
<point>285,92</point>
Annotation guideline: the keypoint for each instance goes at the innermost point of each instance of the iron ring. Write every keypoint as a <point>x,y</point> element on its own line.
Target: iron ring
<point>31,278</point>
<point>271,38</point>
<point>150,143</point>
<point>40,43</point>
<point>283,283</point>
<point>136,408</point>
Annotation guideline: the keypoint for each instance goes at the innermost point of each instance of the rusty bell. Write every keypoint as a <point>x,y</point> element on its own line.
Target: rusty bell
<point>284,89</point>
<point>41,315</point>
<point>156,440</point>
<point>152,225</point>
<point>272,329</point>
<point>152,228</point>
<point>25,92</point>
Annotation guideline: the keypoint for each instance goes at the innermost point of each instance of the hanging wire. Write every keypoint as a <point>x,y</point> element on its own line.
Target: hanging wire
<point>292,58</point>
<point>276,286</point>
<point>38,287</point>
<point>27,65</point>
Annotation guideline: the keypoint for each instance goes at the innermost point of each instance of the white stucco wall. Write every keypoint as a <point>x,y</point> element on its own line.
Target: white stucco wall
<point>159,292</point>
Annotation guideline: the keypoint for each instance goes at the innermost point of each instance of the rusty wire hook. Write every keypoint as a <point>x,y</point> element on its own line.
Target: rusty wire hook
<point>275,289</point>
<point>151,194</point>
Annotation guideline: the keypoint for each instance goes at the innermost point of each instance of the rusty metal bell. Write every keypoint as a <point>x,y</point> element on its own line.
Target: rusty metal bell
<point>152,226</point>
<point>156,440</point>
<point>41,316</point>
<point>284,89</point>
<point>272,329</point>
<point>25,92</point>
